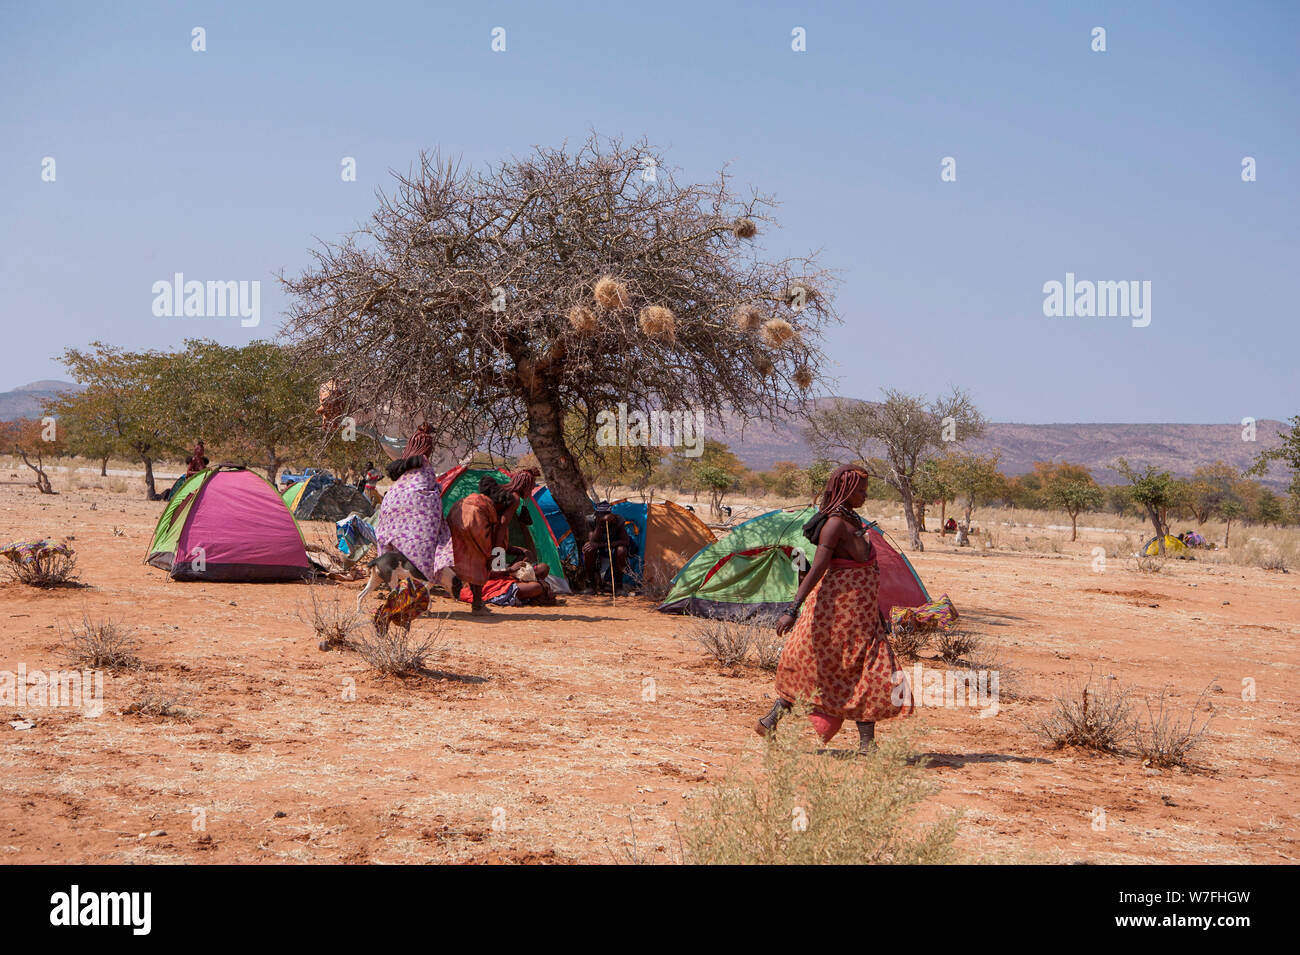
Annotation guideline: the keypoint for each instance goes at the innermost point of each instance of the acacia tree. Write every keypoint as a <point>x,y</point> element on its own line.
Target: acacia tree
<point>1288,452</point>
<point>906,429</point>
<point>30,438</point>
<point>974,477</point>
<point>562,282</point>
<point>1155,492</point>
<point>136,398</point>
<point>1072,488</point>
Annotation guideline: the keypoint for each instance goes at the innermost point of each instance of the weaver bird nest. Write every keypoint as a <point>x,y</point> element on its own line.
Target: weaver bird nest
<point>658,322</point>
<point>610,292</point>
<point>778,332</point>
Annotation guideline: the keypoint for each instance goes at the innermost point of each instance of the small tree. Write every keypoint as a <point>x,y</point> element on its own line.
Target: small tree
<point>33,441</point>
<point>906,429</point>
<point>1288,452</point>
<point>1154,492</point>
<point>933,484</point>
<point>975,478</point>
<point>1073,497</point>
<point>717,471</point>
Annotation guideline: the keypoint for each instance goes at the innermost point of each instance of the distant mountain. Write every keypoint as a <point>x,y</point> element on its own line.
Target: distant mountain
<point>1180,448</point>
<point>26,401</point>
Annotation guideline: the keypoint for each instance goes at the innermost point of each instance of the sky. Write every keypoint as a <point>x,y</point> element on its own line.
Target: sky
<point>1117,165</point>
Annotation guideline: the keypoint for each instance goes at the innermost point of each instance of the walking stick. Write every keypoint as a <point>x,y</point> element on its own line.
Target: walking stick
<point>613,597</point>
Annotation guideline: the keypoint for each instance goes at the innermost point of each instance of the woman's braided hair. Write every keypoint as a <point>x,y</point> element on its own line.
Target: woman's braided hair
<point>841,485</point>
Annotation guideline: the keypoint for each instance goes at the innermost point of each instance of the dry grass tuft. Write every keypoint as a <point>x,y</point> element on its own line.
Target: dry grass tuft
<point>397,653</point>
<point>777,332</point>
<point>797,807</point>
<point>103,644</point>
<point>160,703</point>
<point>726,641</point>
<point>658,322</point>
<point>908,644</point>
<point>48,570</point>
<point>1091,716</point>
<point>957,645</point>
<point>1163,740</point>
<point>1145,564</point>
<point>610,292</point>
<point>330,618</point>
<point>768,647</point>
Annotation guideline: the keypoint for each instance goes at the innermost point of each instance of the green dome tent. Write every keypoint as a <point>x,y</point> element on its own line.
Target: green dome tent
<point>753,572</point>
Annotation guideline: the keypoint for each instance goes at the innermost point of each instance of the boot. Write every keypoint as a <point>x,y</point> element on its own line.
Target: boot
<point>767,724</point>
<point>866,738</point>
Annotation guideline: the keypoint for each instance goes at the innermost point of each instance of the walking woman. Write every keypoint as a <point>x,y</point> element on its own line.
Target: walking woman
<point>410,516</point>
<point>838,658</point>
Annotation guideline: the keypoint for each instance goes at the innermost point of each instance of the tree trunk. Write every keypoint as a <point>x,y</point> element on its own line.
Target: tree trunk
<point>103,467</point>
<point>151,492</point>
<point>1074,527</point>
<point>943,517</point>
<point>920,515</point>
<point>563,476</point>
<point>1226,531</point>
<point>909,511</point>
<point>1154,514</point>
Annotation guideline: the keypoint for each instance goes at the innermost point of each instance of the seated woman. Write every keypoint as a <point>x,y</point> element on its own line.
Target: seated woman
<point>523,585</point>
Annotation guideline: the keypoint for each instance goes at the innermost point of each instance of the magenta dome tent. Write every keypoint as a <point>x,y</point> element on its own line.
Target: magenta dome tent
<point>228,524</point>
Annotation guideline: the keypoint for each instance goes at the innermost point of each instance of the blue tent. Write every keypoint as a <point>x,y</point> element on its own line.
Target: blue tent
<point>633,514</point>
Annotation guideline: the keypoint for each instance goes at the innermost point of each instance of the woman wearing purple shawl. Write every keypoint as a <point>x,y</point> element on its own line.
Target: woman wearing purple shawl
<point>410,517</point>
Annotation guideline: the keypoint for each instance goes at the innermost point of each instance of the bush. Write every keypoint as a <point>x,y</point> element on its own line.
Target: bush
<point>1152,564</point>
<point>956,645</point>
<point>395,652</point>
<point>727,641</point>
<point>1164,740</point>
<point>908,643</point>
<point>1093,717</point>
<point>159,703</point>
<point>330,618</point>
<point>768,646</point>
<point>51,568</point>
<point>104,645</point>
<point>796,807</point>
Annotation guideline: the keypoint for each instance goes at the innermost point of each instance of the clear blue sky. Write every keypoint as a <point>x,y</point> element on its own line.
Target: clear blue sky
<point>1118,165</point>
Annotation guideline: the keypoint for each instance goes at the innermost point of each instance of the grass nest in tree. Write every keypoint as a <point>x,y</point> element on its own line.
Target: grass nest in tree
<point>610,292</point>
<point>778,332</point>
<point>745,228</point>
<point>748,318</point>
<point>763,366</point>
<point>803,377</point>
<point>582,320</point>
<point>658,322</point>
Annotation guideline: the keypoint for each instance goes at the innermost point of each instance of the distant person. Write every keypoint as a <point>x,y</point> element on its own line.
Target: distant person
<point>606,536</point>
<point>370,483</point>
<point>198,461</point>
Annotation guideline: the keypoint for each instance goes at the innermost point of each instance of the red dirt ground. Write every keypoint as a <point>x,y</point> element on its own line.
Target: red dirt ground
<point>536,742</point>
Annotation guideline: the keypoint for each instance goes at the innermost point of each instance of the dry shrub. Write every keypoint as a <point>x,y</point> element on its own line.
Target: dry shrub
<point>656,581</point>
<point>103,644</point>
<point>796,807</point>
<point>908,643</point>
<point>1152,564</point>
<point>1091,716</point>
<point>160,703</point>
<point>727,641</point>
<point>610,292</point>
<point>745,228</point>
<point>582,320</point>
<point>330,618</point>
<point>50,569</point>
<point>1265,555</point>
<point>767,647</point>
<point>957,645</point>
<point>777,331</point>
<point>658,322</point>
<point>1165,740</point>
<point>803,377</point>
<point>748,318</point>
<point>397,653</point>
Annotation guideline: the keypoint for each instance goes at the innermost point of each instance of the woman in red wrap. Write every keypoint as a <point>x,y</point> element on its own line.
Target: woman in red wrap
<point>838,658</point>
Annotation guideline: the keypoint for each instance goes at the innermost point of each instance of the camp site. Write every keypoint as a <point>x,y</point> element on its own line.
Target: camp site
<point>690,438</point>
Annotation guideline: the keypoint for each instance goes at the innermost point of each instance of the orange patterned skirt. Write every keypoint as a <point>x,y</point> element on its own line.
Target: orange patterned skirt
<point>838,657</point>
